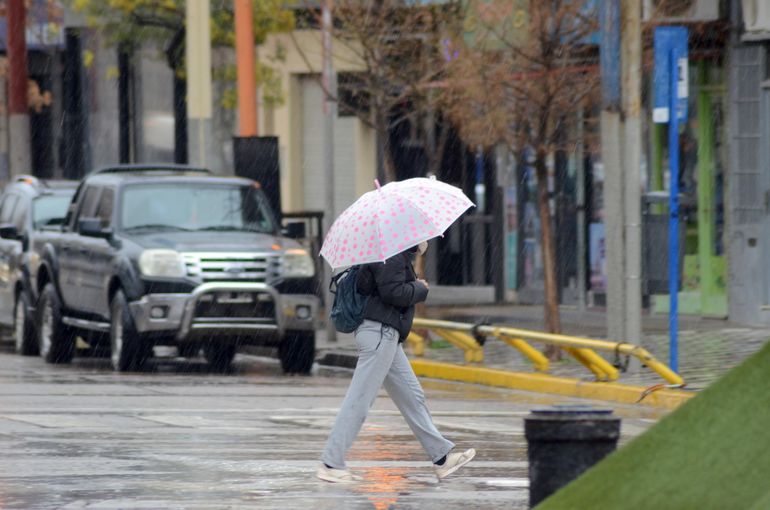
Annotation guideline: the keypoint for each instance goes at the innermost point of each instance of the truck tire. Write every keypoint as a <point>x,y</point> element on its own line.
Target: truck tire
<point>128,350</point>
<point>56,341</point>
<point>23,328</point>
<point>219,356</point>
<point>297,352</point>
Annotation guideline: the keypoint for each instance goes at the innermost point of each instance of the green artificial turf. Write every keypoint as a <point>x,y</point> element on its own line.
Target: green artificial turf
<point>711,453</point>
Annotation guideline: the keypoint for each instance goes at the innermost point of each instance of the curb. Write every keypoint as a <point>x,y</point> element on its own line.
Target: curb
<point>338,359</point>
<point>543,383</point>
<point>540,383</point>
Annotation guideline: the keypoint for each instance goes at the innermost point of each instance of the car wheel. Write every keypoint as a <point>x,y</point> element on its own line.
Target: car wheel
<point>297,352</point>
<point>56,342</point>
<point>23,328</point>
<point>219,356</point>
<point>128,350</point>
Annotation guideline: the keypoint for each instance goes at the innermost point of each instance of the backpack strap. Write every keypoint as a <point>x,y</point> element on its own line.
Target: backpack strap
<point>333,282</point>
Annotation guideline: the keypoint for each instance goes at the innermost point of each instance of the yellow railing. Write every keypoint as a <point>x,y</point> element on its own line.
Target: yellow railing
<point>584,350</point>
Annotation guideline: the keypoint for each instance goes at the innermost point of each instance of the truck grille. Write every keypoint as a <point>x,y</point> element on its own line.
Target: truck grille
<point>232,267</point>
<point>213,307</point>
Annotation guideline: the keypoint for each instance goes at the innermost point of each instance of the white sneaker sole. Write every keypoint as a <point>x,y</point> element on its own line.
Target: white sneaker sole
<point>456,467</point>
<point>334,479</point>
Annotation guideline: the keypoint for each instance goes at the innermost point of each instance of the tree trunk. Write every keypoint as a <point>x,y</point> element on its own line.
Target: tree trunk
<point>552,319</point>
<point>436,155</point>
<point>382,126</point>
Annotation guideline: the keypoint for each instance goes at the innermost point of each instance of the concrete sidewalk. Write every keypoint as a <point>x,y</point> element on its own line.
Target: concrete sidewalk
<point>708,348</point>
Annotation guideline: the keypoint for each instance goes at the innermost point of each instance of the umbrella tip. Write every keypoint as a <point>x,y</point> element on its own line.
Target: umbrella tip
<point>377,183</point>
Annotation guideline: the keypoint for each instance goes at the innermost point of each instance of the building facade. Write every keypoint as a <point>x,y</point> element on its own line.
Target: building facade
<point>749,197</point>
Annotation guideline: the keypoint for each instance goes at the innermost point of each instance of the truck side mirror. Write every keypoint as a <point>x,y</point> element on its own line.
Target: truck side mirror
<point>9,231</point>
<point>92,227</point>
<point>294,230</point>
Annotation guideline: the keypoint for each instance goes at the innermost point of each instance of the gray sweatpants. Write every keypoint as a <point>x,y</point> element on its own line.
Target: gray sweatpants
<point>381,359</point>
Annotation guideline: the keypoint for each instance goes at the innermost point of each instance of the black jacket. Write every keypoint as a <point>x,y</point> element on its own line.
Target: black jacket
<point>393,291</point>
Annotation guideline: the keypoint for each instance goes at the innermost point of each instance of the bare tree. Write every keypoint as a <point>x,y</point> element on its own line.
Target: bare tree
<point>519,85</point>
<point>398,46</point>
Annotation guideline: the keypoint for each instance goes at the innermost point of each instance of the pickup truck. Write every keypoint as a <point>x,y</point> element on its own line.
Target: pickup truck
<point>28,205</point>
<point>172,255</point>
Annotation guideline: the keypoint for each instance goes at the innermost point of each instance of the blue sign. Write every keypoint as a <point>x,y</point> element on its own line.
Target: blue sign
<point>670,47</point>
<point>609,56</point>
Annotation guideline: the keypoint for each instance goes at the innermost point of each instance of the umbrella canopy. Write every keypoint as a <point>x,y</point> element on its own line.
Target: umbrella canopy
<point>391,219</point>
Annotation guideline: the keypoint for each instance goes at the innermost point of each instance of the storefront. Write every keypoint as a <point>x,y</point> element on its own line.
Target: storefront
<point>703,161</point>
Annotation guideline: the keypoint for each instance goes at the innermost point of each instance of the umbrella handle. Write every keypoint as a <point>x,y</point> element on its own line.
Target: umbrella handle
<point>377,183</point>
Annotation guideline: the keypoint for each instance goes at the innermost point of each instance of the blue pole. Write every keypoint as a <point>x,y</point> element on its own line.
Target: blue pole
<point>673,222</point>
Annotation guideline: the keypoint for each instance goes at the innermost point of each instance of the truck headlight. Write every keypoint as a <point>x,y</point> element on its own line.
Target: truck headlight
<point>163,263</point>
<point>297,263</point>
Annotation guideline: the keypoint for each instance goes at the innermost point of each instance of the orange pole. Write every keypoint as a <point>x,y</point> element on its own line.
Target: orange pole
<point>247,84</point>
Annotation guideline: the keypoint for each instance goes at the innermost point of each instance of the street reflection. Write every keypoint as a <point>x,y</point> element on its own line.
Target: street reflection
<point>383,485</point>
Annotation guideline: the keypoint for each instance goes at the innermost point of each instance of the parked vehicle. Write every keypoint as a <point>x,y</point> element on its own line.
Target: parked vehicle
<point>27,206</point>
<point>171,255</point>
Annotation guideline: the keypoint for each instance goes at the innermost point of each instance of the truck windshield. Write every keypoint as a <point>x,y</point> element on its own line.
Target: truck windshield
<point>195,207</point>
<point>50,209</point>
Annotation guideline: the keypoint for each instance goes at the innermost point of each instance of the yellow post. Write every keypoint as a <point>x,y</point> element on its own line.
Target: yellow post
<point>536,357</point>
<point>417,342</point>
<point>467,343</point>
<point>603,370</point>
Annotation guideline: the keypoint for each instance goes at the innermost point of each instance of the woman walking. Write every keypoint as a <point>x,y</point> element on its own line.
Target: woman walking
<point>393,290</point>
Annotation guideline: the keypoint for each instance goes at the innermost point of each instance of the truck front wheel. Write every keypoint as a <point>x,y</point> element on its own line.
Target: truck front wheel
<point>128,350</point>
<point>297,352</point>
<point>219,356</point>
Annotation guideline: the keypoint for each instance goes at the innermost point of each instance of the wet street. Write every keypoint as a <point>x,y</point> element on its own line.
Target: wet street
<point>180,436</point>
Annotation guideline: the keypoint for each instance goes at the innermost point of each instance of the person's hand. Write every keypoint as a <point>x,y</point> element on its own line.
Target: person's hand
<point>427,287</point>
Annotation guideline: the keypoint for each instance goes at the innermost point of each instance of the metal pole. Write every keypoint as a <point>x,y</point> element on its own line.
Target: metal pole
<point>330,113</point>
<point>706,234</point>
<point>673,223</point>
<point>5,172</point>
<point>247,84</point>
<point>631,49</point>
<point>612,162</point>
<point>198,62</point>
<point>19,147</point>
<point>580,200</point>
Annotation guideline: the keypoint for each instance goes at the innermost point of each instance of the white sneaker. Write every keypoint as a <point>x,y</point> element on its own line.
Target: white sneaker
<point>454,461</point>
<point>336,475</point>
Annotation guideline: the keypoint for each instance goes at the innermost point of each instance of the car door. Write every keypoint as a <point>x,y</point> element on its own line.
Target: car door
<point>73,262</point>
<point>7,249</point>
<point>98,253</point>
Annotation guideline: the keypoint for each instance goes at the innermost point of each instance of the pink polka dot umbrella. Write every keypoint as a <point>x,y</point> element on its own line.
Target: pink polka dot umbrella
<point>391,219</point>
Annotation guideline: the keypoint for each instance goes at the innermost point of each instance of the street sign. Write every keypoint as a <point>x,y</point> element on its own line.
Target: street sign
<point>670,43</point>
<point>609,56</point>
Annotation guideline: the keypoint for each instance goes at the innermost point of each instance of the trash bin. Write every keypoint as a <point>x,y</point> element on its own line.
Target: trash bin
<point>564,441</point>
